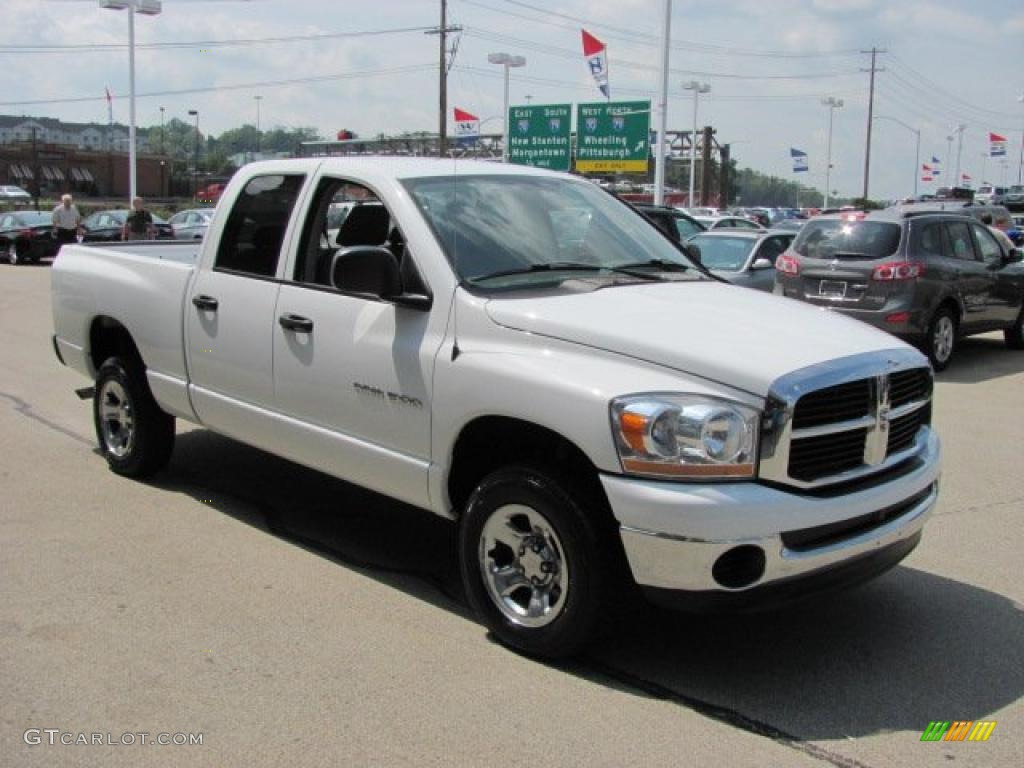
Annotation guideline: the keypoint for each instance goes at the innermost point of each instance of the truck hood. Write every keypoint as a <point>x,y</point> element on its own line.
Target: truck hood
<point>742,338</point>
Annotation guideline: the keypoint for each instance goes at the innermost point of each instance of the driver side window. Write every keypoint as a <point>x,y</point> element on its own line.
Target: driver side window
<point>988,246</point>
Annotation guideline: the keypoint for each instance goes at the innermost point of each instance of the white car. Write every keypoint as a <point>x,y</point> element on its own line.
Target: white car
<point>12,192</point>
<point>517,351</point>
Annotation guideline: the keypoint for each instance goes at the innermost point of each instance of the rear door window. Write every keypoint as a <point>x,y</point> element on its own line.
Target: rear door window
<point>840,239</point>
<point>254,232</point>
<point>960,241</point>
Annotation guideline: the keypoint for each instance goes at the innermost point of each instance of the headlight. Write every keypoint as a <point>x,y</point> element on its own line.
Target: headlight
<point>685,436</point>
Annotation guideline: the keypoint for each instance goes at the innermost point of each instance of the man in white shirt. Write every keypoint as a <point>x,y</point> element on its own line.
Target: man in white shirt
<point>66,220</point>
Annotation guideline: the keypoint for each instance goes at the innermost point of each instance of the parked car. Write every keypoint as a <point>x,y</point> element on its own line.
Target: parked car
<point>591,418</point>
<point>741,257</point>
<point>190,224</point>
<point>789,225</point>
<point>1014,198</point>
<point>13,194</point>
<point>728,222</point>
<point>989,194</point>
<point>1000,214</point>
<point>27,236</point>
<point>108,226</point>
<point>672,221</point>
<point>926,276</point>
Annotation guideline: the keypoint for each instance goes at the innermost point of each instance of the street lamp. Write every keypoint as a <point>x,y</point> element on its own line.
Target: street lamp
<point>833,104</point>
<point>1020,163</point>
<point>698,89</point>
<point>960,128</point>
<point>917,153</point>
<point>146,8</point>
<point>258,99</point>
<point>508,61</point>
<point>195,161</point>
<point>161,130</point>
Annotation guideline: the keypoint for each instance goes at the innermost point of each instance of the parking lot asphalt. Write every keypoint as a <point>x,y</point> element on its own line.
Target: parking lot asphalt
<point>293,619</point>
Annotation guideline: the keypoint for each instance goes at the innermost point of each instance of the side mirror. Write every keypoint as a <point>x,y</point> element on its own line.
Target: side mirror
<point>366,269</point>
<point>692,251</point>
<point>762,263</point>
<point>1013,256</point>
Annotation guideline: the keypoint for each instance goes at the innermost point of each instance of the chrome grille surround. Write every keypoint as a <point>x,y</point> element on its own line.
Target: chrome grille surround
<point>778,434</point>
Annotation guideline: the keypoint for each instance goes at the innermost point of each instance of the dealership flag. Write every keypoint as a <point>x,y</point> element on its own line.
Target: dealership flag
<point>936,166</point>
<point>997,145</point>
<point>799,159</point>
<point>965,178</point>
<point>467,127</point>
<point>596,54</point>
<point>927,174</point>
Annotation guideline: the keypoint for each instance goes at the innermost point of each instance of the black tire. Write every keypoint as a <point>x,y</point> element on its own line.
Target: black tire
<point>583,538</point>
<point>941,342</point>
<point>1014,335</point>
<point>14,256</point>
<point>134,435</point>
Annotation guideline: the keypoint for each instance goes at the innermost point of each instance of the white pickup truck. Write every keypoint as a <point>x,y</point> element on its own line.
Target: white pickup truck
<point>520,352</point>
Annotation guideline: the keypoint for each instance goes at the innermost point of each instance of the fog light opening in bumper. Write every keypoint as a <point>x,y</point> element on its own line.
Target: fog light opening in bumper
<point>739,567</point>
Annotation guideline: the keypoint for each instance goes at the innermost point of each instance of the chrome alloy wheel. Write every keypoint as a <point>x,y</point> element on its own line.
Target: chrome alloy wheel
<point>942,338</point>
<point>524,570</point>
<point>117,418</point>
<point>12,254</point>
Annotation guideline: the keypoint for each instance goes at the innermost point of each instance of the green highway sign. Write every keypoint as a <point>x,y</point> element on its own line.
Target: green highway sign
<point>613,136</point>
<point>539,135</point>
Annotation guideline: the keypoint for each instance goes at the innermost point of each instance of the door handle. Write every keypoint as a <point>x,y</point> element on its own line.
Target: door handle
<point>296,323</point>
<point>206,303</point>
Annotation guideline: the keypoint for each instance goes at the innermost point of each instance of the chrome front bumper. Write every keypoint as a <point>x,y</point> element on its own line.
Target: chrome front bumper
<point>674,533</point>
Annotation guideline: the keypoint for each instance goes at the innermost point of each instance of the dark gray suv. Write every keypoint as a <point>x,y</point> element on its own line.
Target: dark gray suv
<point>927,277</point>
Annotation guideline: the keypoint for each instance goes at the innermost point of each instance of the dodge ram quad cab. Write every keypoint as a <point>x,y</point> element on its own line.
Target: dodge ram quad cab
<point>515,350</point>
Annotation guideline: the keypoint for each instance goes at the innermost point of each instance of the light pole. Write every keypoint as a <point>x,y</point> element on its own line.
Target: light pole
<point>146,8</point>
<point>161,130</point>
<point>960,128</point>
<point>1020,163</point>
<point>833,104</point>
<point>195,161</point>
<point>508,61</point>
<point>258,99</point>
<point>917,151</point>
<point>698,89</point>
<point>949,158</point>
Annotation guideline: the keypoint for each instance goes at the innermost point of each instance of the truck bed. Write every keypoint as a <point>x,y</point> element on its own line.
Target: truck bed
<point>131,284</point>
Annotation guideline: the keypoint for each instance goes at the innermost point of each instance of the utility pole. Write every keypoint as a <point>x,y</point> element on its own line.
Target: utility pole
<point>871,108</point>
<point>442,112</point>
<point>35,169</point>
<point>659,157</point>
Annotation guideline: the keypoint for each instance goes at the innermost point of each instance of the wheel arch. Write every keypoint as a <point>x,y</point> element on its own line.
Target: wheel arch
<point>108,337</point>
<point>487,443</point>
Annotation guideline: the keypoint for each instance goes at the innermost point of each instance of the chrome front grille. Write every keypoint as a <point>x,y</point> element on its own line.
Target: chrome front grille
<point>833,424</point>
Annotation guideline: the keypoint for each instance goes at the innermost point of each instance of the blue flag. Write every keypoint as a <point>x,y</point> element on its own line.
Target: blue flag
<point>799,159</point>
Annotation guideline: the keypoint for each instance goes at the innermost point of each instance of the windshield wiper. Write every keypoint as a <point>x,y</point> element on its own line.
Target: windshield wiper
<point>563,266</point>
<point>663,264</point>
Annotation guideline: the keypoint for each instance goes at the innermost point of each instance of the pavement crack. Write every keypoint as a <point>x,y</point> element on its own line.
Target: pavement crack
<point>722,714</point>
<point>26,409</point>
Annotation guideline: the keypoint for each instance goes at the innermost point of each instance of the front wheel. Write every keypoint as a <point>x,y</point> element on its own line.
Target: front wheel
<point>135,436</point>
<point>13,257</point>
<point>535,562</point>
<point>941,341</point>
<point>1014,335</point>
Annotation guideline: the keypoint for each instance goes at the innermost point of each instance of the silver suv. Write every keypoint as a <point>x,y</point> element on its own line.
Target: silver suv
<point>927,277</point>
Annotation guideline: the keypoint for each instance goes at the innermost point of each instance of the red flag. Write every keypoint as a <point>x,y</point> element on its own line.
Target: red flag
<point>996,137</point>
<point>596,54</point>
<point>461,115</point>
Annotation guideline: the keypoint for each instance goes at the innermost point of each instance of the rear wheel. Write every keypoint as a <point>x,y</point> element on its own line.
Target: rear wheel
<point>1015,333</point>
<point>135,436</point>
<point>13,258</point>
<point>536,562</point>
<point>941,341</point>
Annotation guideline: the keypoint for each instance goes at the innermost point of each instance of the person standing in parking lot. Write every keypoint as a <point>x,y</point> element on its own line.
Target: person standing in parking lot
<point>138,225</point>
<point>1002,237</point>
<point>66,220</point>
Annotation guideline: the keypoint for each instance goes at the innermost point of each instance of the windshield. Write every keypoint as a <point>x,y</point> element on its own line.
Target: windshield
<point>728,254</point>
<point>842,239</point>
<point>536,229</point>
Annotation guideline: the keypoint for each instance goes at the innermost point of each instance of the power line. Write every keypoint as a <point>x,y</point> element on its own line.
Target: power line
<point>566,53</point>
<point>234,87</point>
<point>237,42</point>
<point>647,39</point>
<point>939,90</point>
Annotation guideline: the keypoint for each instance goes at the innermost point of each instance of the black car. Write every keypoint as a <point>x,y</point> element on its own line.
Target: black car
<point>108,226</point>
<point>677,225</point>
<point>927,276</point>
<point>27,236</point>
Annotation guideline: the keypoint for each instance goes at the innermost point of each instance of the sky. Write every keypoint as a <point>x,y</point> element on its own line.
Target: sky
<point>371,67</point>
